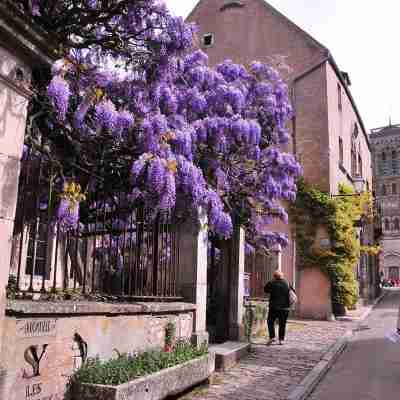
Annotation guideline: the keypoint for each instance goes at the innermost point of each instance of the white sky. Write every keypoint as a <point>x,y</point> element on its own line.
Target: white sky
<point>362,35</point>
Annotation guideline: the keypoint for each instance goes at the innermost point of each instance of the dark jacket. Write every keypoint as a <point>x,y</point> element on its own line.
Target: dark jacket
<point>278,289</point>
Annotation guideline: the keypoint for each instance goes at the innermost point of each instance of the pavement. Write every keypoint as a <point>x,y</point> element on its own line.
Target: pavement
<point>273,372</point>
<point>369,368</point>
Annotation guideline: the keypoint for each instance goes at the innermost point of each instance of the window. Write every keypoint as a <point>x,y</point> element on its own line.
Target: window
<point>383,190</point>
<point>387,225</point>
<point>355,132</point>
<point>353,160</point>
<point>231,3</point>
<point>394,188</point>
<point>208,39</point>
<point>339,90</point>
<point>382,164</point>
<point>340,151</point>
<point>360,168</point>
<point>394,163</point>
<point>396,224</point>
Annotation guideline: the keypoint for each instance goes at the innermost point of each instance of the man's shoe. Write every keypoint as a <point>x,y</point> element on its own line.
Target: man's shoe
<point>270,341</point>
<point>281,342</point>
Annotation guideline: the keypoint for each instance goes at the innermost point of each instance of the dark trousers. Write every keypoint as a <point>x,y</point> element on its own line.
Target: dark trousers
<point>281,316</point>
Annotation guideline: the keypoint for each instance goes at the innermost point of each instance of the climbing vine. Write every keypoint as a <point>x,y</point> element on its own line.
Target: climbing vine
<point>315,209</point>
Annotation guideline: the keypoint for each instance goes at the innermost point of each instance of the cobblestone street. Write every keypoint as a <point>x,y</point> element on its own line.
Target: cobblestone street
<point>271,372</point>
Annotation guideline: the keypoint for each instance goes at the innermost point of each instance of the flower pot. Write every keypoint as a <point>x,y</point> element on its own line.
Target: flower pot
<point>339,310</point>
<point>157,386</point>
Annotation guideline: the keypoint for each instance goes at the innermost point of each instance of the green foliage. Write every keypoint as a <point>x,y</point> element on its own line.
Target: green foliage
<point>128,367</point>
<point>170,331</point>
<point>313,209</point>
<point>12,287</point>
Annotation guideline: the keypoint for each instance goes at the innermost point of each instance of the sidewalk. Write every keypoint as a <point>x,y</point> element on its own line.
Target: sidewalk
<point>272,372</point>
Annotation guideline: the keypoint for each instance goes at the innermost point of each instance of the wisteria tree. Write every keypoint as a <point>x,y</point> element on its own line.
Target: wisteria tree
<point>129,102</point>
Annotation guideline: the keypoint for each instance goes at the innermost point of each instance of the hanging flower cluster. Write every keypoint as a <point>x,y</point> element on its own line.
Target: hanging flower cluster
<point>198,136</point>
<point>68,208</point>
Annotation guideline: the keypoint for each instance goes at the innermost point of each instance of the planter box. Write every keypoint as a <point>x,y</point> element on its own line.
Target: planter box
<point>157,386</point>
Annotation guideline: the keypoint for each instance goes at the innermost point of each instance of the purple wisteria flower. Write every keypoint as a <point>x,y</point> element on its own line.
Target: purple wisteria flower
<point>59,92</point>
<point>192,136</point>
<point>68,214</point>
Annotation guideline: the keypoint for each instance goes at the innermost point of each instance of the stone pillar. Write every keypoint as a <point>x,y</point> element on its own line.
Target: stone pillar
<point>192,280</point>
<point>13,108</point>
<point>236,290</point>
<point>231,288</point>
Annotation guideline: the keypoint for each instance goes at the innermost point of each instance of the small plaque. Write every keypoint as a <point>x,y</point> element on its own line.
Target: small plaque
<point>27,328</point>
<point>325,243</point>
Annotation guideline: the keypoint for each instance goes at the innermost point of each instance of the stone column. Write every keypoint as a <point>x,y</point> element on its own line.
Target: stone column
<point>13,108</point>
<point>192,280</point>
<point>236,289</point>
<point>231,288</point>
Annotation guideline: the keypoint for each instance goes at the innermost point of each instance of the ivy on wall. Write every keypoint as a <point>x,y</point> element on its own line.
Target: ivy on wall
<point>338,215</point>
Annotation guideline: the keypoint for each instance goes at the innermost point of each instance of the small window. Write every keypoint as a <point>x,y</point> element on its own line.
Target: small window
<point>208,39</point>
<point>383,191</point>
<point>395,163</point>
<point>339,90</point>
<point>19,74</point>
<point>394,188</point>
<point>387,225</point>
<point>396,224</point>
<point>360,167</point>
<point>355,132</point>
<point>383,156</point>
<point>341,151</point>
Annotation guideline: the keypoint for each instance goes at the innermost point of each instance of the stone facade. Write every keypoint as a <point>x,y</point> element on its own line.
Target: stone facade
<point>328,134</point>
<point>42,352</point>
<point>386,167</point>
<point>20,50</point>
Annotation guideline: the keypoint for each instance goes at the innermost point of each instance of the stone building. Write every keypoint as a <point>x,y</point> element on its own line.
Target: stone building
<point>385,144</point>
<point>328,134</point>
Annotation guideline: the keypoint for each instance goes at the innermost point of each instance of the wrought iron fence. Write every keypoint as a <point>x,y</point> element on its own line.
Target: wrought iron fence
<point>259,269</point>
<point>117,250</point>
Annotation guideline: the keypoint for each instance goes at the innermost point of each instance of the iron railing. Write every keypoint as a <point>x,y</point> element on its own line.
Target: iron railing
<point>118,249</point>
<point>259,269</point>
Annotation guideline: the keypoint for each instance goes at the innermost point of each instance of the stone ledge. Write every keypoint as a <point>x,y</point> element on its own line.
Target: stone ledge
<point>71,308</point>
<point>228,354</point>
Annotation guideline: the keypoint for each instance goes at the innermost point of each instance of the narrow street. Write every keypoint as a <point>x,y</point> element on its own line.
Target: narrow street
<point>369,369</point>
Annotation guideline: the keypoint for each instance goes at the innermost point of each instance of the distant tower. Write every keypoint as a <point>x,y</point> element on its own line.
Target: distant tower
<point>385,144</point>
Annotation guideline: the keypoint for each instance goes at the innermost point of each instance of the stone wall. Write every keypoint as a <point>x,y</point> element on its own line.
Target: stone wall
<point>44,343</point>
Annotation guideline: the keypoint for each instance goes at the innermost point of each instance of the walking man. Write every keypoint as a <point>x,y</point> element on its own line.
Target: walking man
<point>279,305</point>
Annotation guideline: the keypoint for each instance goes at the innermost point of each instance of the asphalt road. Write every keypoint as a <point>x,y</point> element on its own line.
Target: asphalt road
<point>369,368</point>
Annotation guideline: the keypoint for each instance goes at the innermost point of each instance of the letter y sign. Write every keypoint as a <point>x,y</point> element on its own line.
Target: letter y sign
<point>33,359</point>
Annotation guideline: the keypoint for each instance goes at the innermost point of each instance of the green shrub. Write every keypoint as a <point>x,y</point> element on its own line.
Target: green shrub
<point>128,367</point>
<point>338,215</point>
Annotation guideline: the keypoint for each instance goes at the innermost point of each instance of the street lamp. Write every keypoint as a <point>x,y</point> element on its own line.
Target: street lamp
<point>358,184</point>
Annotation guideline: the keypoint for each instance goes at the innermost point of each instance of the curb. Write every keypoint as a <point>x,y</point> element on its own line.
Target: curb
<point>308,384</point>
